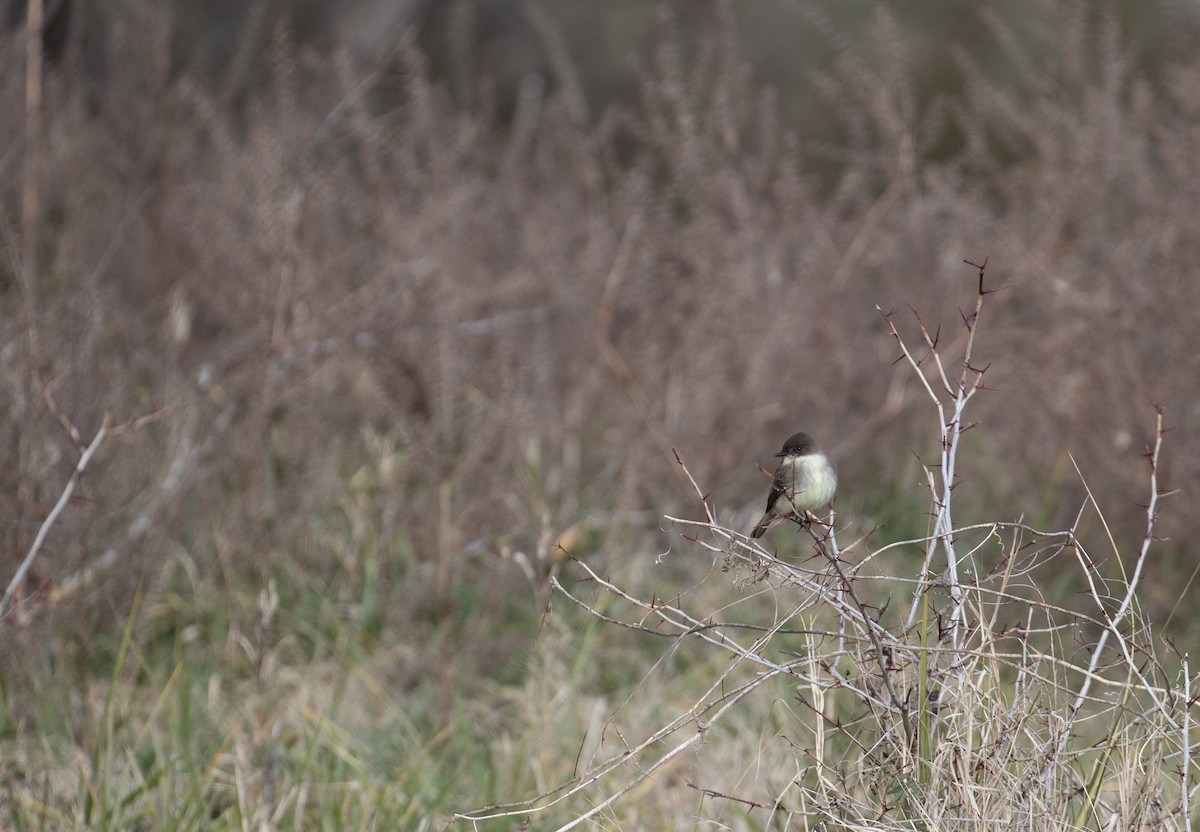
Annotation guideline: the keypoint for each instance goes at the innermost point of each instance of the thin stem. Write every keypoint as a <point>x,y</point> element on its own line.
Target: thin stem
<point>50,518</point>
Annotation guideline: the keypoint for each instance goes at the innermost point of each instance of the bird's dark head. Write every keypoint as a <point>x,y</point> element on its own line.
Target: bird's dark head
<point>799,444</point>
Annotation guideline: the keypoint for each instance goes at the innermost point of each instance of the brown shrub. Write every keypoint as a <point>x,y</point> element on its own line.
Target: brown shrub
<point>286,268</point>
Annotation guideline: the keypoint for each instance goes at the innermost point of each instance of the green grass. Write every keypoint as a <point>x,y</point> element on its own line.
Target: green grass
<point>224,706</point>
<point>220,707</point>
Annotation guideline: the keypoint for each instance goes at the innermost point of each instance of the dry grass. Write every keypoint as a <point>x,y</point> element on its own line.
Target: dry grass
<point>375,346</point>
<point>961,697</point>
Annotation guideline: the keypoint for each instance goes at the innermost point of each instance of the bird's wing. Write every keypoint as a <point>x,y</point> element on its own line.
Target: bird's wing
<point>783,485</point>
<point>773,498</point>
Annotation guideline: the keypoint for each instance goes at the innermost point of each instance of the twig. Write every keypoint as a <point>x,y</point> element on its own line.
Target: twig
<point>951,430</point>
<point>1186,766</point>
<point>1131,587</point>
<point>880,656</point>
<point>49,521</point>
<point>31,181</point>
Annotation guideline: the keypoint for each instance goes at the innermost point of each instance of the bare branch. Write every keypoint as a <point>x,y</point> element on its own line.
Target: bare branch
<point>84,459</point>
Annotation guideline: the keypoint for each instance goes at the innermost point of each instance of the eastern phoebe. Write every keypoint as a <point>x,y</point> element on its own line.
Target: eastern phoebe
<point>805,481</point>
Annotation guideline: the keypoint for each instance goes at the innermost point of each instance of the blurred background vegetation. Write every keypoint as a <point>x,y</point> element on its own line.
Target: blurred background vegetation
<point>419,291</point>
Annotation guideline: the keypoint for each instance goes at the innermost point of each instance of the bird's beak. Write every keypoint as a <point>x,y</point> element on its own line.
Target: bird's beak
<point>781,453</point>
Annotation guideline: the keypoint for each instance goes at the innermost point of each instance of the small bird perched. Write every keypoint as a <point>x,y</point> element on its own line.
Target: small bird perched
<point>805,481</point>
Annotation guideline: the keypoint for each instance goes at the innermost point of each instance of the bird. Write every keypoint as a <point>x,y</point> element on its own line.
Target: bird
<point>805,481</point>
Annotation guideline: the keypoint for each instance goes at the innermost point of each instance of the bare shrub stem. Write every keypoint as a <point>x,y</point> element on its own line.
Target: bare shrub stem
<point>80,467</point>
